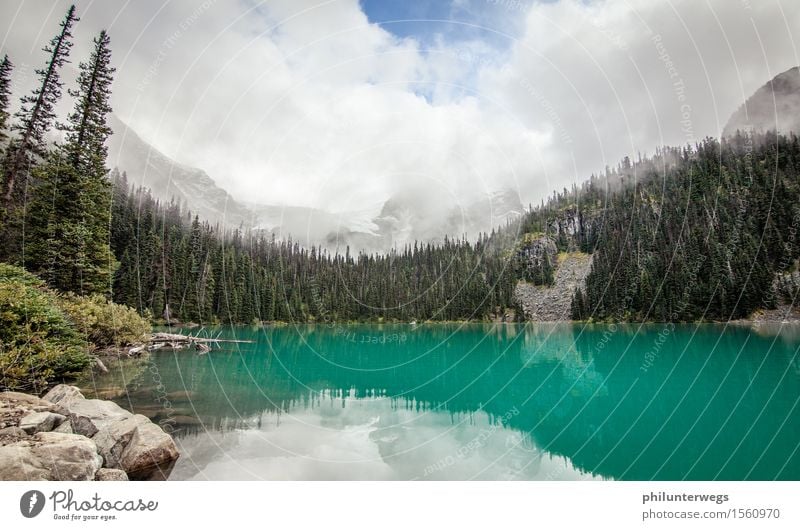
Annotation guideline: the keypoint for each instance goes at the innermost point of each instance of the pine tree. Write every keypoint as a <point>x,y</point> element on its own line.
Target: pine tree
<point>70,223</point>
<point>57,238</point>
<point>34,120</point>
<point>88,130</point>
<point>37,114</point>
<point>5,95</point>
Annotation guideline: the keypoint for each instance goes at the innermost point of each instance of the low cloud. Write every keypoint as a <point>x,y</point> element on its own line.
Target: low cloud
<point>308,103</point>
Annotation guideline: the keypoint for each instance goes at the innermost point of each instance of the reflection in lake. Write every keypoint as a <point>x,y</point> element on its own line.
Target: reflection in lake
<point>543,402</point>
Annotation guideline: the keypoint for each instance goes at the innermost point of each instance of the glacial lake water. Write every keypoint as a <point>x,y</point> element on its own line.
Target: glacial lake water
<point>476,401</point>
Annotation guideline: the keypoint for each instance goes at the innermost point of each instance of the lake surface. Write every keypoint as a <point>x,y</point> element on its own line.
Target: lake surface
<point>474,401</point>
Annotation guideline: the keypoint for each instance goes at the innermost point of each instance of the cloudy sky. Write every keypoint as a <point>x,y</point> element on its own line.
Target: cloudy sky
<point>340,104</point>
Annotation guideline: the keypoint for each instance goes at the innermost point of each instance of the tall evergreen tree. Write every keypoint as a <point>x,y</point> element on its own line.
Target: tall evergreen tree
<point>88,130</point>
<point>38,111</point>
<point>34,120</point>
<point>70,223</point>
<point>5,95</point>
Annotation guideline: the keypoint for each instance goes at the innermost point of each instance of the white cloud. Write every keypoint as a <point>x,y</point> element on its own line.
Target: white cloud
<point>308,103</point>
<point>618,77</point>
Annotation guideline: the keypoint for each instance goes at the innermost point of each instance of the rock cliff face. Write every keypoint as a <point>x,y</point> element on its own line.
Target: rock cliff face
<point>576,229</point>
<point>64,436</point>
<point>570,223</point>
<point>553,303</point>
<point>534,252</point>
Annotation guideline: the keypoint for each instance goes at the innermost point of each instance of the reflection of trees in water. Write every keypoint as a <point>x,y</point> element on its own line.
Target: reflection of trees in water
<point>591,404</point>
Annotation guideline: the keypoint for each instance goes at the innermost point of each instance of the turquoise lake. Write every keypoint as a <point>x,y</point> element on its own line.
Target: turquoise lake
<point>476,401</point>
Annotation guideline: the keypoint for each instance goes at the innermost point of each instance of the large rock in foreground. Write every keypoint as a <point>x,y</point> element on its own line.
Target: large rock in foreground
<point>63,395</point>
<point>15,405</point>
<point>151,454</point>
<point>81,435</point>
<point>138,446</point>
<point>41,422</point>
<point>50,456</point>
<point>90,416</point>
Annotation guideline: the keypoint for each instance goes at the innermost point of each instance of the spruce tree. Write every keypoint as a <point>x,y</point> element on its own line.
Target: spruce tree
<point>35,117</point>
<point>34,120</point>
<point>88,130</point>
<point>5,95</point>
<point>70,223</point>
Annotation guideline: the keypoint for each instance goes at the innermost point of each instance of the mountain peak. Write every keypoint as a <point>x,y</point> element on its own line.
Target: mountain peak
<point>776,105</point>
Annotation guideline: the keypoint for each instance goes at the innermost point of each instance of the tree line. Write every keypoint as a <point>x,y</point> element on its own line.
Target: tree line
<point>81,229</point>
<point>706,239</point>
<point>703,232</point>
<point>688,233</point>
<point>179,267</point>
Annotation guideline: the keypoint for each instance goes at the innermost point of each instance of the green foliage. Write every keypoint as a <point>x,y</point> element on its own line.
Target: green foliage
<point>71,201</point>
<point>5,94</point>
<point>105,323</point>
<point>694,233</point>
<point>203,274</point>
<point>34,119</point>
<point>88,131</point>
<point>38,344</point>
<point>68,229</point>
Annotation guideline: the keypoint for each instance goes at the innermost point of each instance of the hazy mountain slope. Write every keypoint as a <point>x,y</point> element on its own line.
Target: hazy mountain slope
<point>147,166</point>
<point>774,105</point>
<point>312,226</point>
<point>414,216</point>
<point>400,220</point>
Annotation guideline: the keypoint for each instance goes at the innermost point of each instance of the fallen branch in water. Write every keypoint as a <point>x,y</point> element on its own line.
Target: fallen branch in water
<point>177,338</point>
<point>177,341</point>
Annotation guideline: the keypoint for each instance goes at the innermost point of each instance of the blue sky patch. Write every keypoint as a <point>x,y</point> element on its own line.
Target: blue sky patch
<point>496,22</point>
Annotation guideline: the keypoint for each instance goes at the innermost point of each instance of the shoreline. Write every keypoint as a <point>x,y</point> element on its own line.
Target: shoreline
<point>775,316</point>
<point>65,436</point>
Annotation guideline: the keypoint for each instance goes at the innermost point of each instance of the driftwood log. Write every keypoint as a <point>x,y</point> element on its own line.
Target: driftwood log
<point>177,341</point>
<point>177,338</point>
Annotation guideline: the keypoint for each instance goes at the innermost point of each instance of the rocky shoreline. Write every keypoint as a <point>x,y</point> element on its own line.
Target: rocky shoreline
<point>64,436</point>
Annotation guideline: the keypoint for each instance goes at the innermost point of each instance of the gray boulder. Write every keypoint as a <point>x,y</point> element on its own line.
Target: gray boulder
<point>63,395</point>
<point>106,474</point>
<point>41,422</point>
<point>12,434</point>
<point>50,456</point>
<point>125,441</point>
<point>65,427</point>
<point>137,446</point>
<point>89,416</point>
<point>115,438</point>
<point>150,454</point>
<point>15,405</point>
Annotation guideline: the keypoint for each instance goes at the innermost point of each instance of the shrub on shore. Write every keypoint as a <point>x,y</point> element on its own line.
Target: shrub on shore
<point>105,323</point>
<point>38,343</point>
<point>46,336</point>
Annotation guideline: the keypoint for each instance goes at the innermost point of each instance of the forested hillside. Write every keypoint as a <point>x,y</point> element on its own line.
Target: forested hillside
<point>705,241</point>
<point>61,220</point>
<point>694,232</point>
<point>205,274</point>
<point>699,232</point>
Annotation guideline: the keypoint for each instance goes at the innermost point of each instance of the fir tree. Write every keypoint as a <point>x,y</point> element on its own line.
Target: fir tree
<point>5,95</point>
<point>88,130</point>
<point>37,113</point>
<point>34,120</point>
<point>71,219</point>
